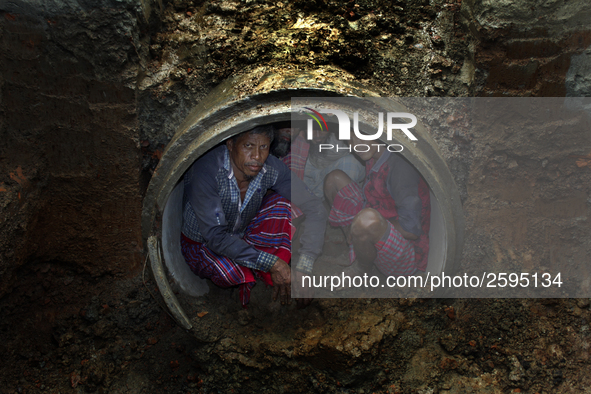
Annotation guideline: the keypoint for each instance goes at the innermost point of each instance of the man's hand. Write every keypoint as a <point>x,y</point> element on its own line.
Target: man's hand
<point>304,295</point>
<point>281,276</point>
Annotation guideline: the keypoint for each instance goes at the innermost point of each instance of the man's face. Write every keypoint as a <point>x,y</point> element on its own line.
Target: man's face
<point>319,136</point>
<point>285,134</point>
<point>248,154</point>
<point>373,149</point>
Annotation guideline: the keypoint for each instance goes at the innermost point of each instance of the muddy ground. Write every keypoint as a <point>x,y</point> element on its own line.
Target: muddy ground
<point>65,332</point>
<point>73,326</point>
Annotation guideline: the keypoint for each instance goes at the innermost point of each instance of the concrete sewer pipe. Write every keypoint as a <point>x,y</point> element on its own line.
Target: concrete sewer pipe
<point>258,98</point>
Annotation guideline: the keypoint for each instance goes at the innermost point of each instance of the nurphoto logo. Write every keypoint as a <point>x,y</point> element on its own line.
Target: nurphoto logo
<point>345,129</point>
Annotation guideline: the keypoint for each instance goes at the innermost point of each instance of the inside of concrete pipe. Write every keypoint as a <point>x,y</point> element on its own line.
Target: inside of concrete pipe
<point>168,264</point>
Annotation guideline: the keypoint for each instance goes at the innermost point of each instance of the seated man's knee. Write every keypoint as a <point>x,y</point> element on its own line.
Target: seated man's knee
<point>335,181</point>
<point>336,177</point>
<point>369,223</point>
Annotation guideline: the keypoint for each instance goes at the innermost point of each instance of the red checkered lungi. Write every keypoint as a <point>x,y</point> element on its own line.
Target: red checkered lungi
<point>396,254</point>
<point>297,157</point>
<point>269,231</point>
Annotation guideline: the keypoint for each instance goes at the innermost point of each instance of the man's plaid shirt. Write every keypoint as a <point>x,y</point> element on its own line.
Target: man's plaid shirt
<point>213,213</point>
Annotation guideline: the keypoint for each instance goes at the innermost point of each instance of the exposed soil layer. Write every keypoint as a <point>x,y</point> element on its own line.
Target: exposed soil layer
<point>411,48</point>
<point>90,100</point>
<point>69,153</point>
<point>115,338</point>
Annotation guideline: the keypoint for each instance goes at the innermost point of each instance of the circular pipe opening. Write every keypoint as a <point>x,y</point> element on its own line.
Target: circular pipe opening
<point>230,110</point>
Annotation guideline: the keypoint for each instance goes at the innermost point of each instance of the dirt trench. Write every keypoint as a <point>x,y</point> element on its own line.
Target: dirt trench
<point>121,341</point>
<point>91,97</point>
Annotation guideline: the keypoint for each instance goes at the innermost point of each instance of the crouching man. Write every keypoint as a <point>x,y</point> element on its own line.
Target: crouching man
<point>237,218</point>
<point>386,221</point>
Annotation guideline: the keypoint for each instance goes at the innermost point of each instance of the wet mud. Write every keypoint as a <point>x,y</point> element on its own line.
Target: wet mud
<point>64,332</point>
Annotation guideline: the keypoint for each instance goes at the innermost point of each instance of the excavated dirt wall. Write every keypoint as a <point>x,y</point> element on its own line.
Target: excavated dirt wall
<point>69,148</point>
<point>90,95</point>
<point>90,92</point>
<point>525,48</point>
